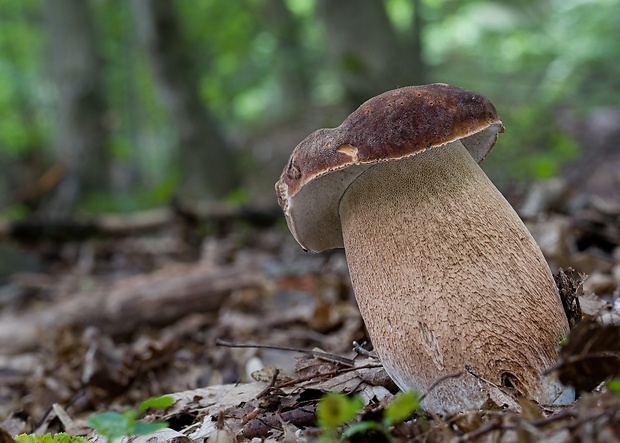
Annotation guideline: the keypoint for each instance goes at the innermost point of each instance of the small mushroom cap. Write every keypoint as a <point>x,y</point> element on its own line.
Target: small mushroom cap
<point>388,127</point>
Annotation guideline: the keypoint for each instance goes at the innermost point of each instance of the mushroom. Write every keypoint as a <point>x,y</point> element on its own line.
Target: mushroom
<point>446,275</point>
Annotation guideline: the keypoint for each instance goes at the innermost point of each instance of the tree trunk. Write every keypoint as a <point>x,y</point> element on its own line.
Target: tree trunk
<point>208,166</point>
<point>419,74</point>
<point>293,67</point>
<point>81,135</point>
<point>366,51</point>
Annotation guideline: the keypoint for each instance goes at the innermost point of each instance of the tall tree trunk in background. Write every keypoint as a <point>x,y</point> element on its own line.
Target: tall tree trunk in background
<point>416,48</point>
<point>366,50</point>
<point>81,134</point>
<point>207,163</point>
<point>294,68</point>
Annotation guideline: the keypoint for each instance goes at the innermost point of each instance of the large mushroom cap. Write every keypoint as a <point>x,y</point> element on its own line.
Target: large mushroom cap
<point>396,124</point>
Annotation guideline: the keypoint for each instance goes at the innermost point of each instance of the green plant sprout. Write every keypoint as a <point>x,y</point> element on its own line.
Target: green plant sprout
<point>336,410</point>
<point>614,385</point>
<point>113,425</point>
<point>61,437</point>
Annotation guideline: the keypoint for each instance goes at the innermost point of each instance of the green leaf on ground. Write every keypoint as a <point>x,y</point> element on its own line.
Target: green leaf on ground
<point>161,402</point>
<point>336,409</point>
<point>614,385</point>
<point>401,408</point>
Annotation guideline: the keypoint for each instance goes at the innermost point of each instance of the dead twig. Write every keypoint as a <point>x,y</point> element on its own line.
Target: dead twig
<point>323,374</point>
<point>577,358</point>
<point>271,385</point>
<point>358,349</point>
<point>333,358</point>
<point>439,381</point>
<point>493,425</point>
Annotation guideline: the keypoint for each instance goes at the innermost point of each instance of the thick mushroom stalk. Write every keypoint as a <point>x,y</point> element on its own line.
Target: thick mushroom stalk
<point>447,277</point>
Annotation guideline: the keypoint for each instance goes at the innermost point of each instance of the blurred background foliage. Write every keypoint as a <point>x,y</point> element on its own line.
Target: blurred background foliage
<point>118,105</point>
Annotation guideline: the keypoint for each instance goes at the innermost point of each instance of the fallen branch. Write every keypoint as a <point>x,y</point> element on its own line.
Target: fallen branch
<point>117,225</point>
<point>155,299</point>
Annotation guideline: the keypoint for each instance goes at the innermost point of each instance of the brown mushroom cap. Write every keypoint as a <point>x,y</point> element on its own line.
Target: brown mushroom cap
<point>396,124</point>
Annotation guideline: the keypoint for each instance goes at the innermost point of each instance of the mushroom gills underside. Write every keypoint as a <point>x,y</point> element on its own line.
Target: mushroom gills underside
<point>448,279</point>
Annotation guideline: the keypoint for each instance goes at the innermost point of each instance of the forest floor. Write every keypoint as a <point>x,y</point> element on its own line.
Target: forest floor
<point>106,321</point>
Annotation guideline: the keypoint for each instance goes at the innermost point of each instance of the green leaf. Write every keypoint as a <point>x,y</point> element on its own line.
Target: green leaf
<point>143,428</point>
<point>614,385</point>
<point>401,408</point>
<point>362,426</point>
<point>336,409</point>
<point>25,438</point>
<point>326,437</point>
<point>110,424</point>
<point>131,415</point>
<point>61,437</point>
<point>161,402</point>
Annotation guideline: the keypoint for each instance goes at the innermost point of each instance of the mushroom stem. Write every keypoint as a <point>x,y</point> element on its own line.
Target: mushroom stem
<point>448,277</point>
